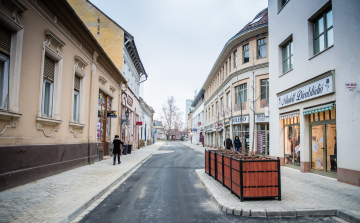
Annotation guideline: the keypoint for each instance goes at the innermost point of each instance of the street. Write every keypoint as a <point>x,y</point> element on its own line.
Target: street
<point>166,189</point>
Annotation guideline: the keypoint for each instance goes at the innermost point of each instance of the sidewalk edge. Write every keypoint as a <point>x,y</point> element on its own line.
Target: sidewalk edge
<point>343,214</point>
<point>81,208</point>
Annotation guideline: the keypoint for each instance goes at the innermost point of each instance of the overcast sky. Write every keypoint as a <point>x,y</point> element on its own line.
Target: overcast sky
<point>179,40</point>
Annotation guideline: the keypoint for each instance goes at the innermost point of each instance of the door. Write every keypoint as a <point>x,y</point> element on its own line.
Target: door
<point>323,148</point>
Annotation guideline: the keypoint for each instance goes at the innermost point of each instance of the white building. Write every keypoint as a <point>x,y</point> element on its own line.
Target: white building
<point>314,114</point>
<point>146,115</point>
<point>197,122</point>
<point>187,111</point>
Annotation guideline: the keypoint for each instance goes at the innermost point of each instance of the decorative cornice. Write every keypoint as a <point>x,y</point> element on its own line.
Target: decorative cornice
<point>112,88</point>
<point>234,74</point>
<point>9,23</point>
<point>47,121</point>
<point>102,80</point>
<point>106,91</point>
<point>81,62</point>
<point>54,39</point>
<point>14,5</point>
<point>55,56</point>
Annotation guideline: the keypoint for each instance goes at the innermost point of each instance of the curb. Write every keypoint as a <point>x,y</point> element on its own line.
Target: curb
<point>194,149</point>
<point>81,208</point>
<point>350,216</point>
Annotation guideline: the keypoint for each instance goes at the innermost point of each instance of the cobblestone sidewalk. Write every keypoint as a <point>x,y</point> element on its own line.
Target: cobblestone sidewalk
<point>61,197</point>
<point>302,194</point>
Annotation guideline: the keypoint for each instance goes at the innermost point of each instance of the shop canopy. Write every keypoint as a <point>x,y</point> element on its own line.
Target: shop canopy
<point>317,109</point>
<point>289,115</point>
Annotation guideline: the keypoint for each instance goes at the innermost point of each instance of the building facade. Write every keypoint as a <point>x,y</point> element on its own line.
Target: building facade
<point>314,59</point>
<point>59,92</point>
<point>197,127</point>
<point>146,129</point>
<point>121,48</point>
<point>187,111</point>
<point>237,90</point>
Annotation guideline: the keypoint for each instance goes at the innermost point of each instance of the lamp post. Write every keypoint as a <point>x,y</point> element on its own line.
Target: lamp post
<point>127,114</point>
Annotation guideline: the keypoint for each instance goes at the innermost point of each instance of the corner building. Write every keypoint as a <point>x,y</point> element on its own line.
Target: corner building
<point>314,117</point>
<point>229,89</point>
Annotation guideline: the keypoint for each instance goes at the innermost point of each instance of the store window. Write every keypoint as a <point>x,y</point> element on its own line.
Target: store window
<point>292,141</point>
<point>323,141</point>
<point>104,123</point>
<point>237,131</point>
<point>263,138</point>
<point>323,31</point>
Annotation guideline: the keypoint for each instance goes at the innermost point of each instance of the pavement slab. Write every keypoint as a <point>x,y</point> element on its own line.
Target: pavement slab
<point>61,197</point>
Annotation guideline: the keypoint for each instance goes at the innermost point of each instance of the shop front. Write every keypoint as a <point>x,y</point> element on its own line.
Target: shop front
<point>103,121</point>
<point>291,122</point>
<point>262,133</point>
<point>244,131</point>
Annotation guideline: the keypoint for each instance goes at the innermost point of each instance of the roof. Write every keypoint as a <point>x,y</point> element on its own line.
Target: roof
<point>261,19</point>
<point>198,97</point>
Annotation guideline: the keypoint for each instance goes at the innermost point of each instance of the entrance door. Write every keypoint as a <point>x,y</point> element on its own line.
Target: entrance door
<point>323,148</point>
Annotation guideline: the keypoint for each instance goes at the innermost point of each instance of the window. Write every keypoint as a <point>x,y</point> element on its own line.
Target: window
<point>5,48</point>
<point>261,48</point>
<point>323,31</point>
<point>222,104</point>
<point>48,87</point>
<point>241,93</point>
<point>217,108</point>
<point>287,52</point>
<point>229,65</point>
<point>283,2</point>
<point>264,89</point>
<point>4,81</point>
<point>228,100</point>
<point>246,53</point>
<point>76,99</point>
<point>235,59</point>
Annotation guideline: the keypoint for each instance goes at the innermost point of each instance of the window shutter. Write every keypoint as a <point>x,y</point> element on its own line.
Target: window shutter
<point>49,68</point>
<point>77,83</point>
<point>5,40</point>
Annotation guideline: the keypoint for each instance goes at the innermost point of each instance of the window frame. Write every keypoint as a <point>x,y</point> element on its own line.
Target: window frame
<point>244,51</point>
<point>289,44</point>
<point>4,101</point>
<point>325,30</point>
<point>51,97</point>
<point>240,93</point>
<point>258,46</point>
<point>76,106</point>
<point>266,89</point>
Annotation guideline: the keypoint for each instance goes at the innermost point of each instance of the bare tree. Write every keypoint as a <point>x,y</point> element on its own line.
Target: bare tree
<point>172,117</point>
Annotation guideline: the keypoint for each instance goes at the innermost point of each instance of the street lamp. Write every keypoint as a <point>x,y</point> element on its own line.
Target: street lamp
<point>127,114</point>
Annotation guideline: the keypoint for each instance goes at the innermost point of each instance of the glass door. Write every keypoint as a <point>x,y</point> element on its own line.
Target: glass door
<point>317,147</point>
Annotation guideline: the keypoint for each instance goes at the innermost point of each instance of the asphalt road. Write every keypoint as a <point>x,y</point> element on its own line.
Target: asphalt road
<point>166,189</point>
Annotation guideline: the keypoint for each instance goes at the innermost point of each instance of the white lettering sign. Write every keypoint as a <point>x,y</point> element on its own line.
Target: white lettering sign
<point>350,86</point>
<point>316,89</point>
<point>237,120</point>
<point>262,118</point>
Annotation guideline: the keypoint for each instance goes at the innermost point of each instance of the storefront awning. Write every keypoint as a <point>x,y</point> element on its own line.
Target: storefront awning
<point>289,115</point>
<point>317,109</point>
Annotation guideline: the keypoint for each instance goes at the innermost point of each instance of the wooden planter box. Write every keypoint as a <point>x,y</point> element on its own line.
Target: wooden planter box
<point>246,178</point>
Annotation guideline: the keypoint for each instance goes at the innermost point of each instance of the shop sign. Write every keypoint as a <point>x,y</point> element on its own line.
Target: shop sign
<point>112,114</point>
<point>227,122</point>
<point>194,130</point>
<point>262,118</point>
<point>237,120</point>
<point>129,100</point>
<point>199,123</point>
<point>350,86</point>
<point>310,91</point>
<point>139,123</point>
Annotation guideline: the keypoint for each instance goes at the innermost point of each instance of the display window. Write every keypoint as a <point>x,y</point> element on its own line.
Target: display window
<point>323,144</point>
<point>237,131</point>
<point>292,141</point>
<point>103,123</point>
<point>263,138</point>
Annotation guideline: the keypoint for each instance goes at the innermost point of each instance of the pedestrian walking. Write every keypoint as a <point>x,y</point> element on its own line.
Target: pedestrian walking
<point>237,143</point>
<point>228,143</point>
<point>116,151</point>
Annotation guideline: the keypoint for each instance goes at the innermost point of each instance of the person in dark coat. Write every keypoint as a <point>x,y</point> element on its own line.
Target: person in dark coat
<point>228,143</point>
<point>116,151</point>
<point>237,143</point>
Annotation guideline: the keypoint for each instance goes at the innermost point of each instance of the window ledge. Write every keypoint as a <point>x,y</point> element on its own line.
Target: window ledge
<point>8,115</point>
<point>76,125</point>
<point>321,52</point>
<point>286,72</point>
<point>48,121</point>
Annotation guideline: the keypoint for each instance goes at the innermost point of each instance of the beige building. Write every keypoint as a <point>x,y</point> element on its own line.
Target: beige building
<point>57,84</point>
<point>240,76</point>
<point>121,48</point>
